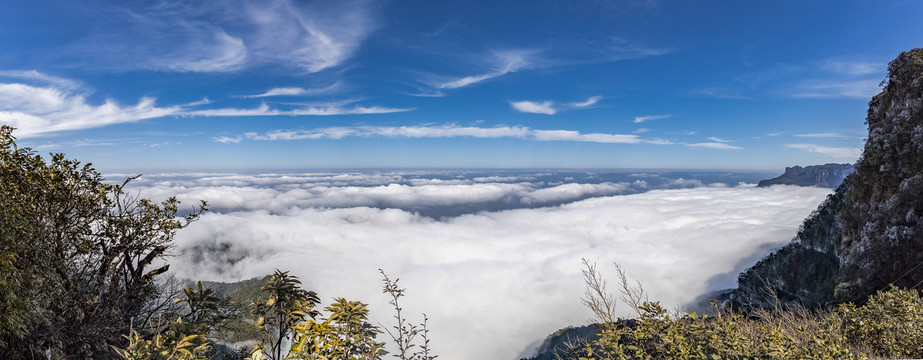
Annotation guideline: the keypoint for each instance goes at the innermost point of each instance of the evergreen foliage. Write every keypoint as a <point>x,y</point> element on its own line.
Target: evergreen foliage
<point>79,256</point>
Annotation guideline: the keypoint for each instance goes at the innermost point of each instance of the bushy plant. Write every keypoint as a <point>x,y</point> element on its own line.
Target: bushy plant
<point>656,333</point>
<point>890,324</point>
<point>79,256</point>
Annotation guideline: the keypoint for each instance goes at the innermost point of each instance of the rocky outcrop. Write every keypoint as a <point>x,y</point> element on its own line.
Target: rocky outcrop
<point>869,233</point>
<point>827,175</point>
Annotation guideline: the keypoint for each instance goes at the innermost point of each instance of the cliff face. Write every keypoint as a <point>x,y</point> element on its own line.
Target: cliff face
<point>827,175</point>
<point>869,233</point>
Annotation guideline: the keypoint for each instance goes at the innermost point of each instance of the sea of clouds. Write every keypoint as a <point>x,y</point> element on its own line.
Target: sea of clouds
<point>493,258</point>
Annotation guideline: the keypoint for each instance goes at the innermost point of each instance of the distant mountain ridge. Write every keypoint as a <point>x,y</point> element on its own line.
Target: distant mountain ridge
<point>827,175</point>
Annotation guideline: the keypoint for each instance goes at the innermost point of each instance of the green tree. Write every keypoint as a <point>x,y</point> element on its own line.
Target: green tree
<point>345,334</point>
<point>286,306</point>
<point>80,255</point>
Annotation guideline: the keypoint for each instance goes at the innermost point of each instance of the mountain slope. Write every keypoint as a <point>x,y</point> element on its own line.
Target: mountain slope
<point>869,233</point>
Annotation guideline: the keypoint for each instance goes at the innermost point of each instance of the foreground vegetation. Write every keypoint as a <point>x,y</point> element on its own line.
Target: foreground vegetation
<point>82,267</point>
<point>888,325</point>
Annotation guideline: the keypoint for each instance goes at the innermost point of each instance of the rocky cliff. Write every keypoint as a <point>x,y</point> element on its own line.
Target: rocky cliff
<point>869,233</point>
<point>827,175</point>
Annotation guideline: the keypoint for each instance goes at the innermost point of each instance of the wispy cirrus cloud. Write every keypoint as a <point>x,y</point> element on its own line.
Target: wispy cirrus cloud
<point>827,88</point>
<point>502,63</point>
<point>587,103</point>
<point>439,131</point>
<point>641,119</point>
<point>180,36</point>
<point>819,79</point>
<point>557,53</point>
<point>37,104</point>
<point>550,107</point>
<point>836,152</point>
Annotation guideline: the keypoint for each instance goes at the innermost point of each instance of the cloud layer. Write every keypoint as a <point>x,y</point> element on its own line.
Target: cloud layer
<point>499,279</point>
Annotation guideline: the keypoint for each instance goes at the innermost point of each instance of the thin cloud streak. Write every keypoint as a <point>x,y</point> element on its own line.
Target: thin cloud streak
<point>504,63</point>
<point>714,146</point>
<point>641,119</point>
<point>443,131</point>
<point>265,110</point>
<point>295,91</point>
<point>836,152</point>
<point>863,89</point>
<point>589,102</point>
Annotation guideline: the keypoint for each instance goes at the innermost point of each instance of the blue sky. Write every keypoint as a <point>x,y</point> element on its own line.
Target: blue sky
<point>258,85</point>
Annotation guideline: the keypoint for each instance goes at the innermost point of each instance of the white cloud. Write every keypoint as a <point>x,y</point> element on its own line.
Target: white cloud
<point>229,140</point>
<point>504,267</point>
<point>836,152</point>
<point>503,63</point>
<point>295,91</point>
<point>48,104</point>
<point>589,102</point>
<point>714,145</point>
<point>544,107</point>
<point>47,109</point>
<point>712,138</point>
<point>549,107</point>
<point>641,119</point>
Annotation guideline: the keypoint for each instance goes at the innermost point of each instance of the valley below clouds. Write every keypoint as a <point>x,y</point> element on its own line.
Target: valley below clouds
<point>492,257</point>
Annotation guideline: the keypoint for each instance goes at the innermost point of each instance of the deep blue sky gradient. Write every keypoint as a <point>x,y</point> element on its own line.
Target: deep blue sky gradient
<point>736,85</point>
